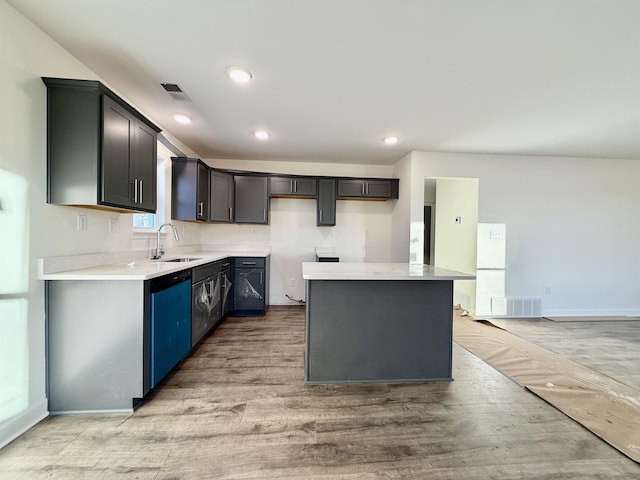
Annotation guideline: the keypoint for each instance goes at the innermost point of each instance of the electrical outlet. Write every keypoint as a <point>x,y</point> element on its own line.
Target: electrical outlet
<point>114,225</point>
<point>547,290</point>
<point>292,283</point>
<point>458,220</point>
<point>81,223</point>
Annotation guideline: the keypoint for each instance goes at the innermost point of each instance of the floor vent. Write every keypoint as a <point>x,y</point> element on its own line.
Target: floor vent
<point>517,307</point>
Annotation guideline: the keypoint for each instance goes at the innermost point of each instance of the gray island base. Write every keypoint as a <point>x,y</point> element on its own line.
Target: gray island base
<point>378,322</point>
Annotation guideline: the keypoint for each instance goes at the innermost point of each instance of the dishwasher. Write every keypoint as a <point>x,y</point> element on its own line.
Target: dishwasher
<point>206,300</point>
<point>170,320</point>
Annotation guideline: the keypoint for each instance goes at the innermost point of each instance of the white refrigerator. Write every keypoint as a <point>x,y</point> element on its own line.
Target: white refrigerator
<point>490,274</point>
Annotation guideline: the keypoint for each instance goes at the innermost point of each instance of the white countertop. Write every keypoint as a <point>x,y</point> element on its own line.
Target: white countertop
<point>144,269</point>
<point>378,271</point>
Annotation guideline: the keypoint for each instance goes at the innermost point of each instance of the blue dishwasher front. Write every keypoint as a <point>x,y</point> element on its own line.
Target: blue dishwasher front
<point>170,323</point>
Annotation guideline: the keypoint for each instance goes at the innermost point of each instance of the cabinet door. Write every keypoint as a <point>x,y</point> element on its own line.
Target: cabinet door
<point>293,186</point>
<point>202,193</point>
<point>252,199</point>
<point>118,130</point>
<point>249,289</point>
<point>221,197</point>
<point>281,185</point>
<point>350,188</point>
<point>363,188</point>
<point>326,203</point>
<point>226,288</point>
<point>144,170</point>
<point>304,186</point>
<point>378,188</point>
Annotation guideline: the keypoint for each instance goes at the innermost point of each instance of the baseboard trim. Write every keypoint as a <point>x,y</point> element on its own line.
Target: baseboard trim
<point>609,312</point>
<point>13,428</point>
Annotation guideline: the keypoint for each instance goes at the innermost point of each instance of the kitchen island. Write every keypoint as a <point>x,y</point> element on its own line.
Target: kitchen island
<point>378,322</point>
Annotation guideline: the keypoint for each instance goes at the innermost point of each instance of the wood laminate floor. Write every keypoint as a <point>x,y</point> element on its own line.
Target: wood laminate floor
<point>238,408</point>
<point>611,347</point>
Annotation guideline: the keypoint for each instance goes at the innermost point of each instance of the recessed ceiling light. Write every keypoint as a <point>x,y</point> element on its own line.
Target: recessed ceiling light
<point>261,134</point>
<point>183,119</point>
<point>391,140</point>
<point>239,74</point>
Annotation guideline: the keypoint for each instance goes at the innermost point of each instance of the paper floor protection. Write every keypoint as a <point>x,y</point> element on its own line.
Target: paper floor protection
<point>607,407</point>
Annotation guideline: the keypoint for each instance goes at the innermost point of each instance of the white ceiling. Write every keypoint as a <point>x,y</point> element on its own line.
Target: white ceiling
<point>333,77</point>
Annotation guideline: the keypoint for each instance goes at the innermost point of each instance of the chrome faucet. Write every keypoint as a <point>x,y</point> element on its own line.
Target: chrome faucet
<point>159,251</point>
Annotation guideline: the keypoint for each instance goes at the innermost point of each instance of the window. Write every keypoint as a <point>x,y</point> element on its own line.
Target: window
<point>151,221</point>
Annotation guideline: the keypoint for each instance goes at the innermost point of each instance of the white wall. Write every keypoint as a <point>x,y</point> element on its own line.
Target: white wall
<point>401,221</point>
<point>572,223</point>
<point>455,243</point>
<point>26,55</point>
<point>362,231</point>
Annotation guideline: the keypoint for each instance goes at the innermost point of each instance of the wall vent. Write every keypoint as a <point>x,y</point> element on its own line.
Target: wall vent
<point>176,91</point>
<point>517,307</point>
<point>461,298</point>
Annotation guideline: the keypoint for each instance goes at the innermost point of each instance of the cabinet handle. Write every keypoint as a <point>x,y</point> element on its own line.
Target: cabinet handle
<point>291,188</point>
<point>261,277</point>
<point>201,209</point>
<point>135,190</point>
<point>248,263</point>
<point>230,213</point>
<point>366,188</point>
<point>295,186</point>
<point>141,197</point>
<point>264,214</point>
<point>363,188</point>
<point>321,215</point>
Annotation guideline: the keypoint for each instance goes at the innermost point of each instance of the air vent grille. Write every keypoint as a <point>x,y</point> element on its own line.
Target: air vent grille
<point>176,91</point>
<point>172,87</point>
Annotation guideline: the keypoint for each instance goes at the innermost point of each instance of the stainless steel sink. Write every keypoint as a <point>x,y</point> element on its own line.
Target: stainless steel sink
<point>182,259</point>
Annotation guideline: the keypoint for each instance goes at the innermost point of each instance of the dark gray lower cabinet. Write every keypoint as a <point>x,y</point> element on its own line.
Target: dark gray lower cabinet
<point>251,199</point>
<point>378,330</point>
<point>206,299</point>
<point>250,289</point>
<point>326,203</point>
<point>227,287</point>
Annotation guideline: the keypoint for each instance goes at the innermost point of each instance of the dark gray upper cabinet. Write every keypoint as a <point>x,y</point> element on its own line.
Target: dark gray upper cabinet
<point>251,199</point>
<point>101,152</point>
<point>326,203</point>
<point>293,186</point>
<point>189,189</point>
<point>221,197</point>
<point>368,188</point>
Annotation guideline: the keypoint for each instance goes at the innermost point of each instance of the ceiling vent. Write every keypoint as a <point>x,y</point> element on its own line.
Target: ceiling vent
<point>176,91</point>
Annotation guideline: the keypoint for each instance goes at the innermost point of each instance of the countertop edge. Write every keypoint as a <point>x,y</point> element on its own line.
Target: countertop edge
<point>163,267</point>
<point>379,271</point>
